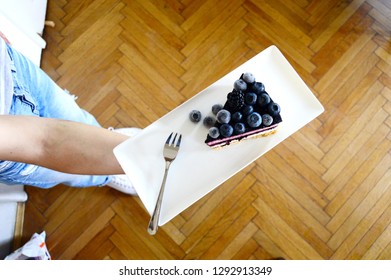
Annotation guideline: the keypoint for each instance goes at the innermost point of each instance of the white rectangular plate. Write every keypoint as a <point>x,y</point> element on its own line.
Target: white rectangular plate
<point>198,169</point>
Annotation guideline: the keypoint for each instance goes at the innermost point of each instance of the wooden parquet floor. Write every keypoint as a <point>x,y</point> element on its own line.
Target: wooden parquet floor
<point>324,193</point>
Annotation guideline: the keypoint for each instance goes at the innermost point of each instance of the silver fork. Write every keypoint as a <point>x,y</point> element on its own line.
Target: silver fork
<point>170,152</point>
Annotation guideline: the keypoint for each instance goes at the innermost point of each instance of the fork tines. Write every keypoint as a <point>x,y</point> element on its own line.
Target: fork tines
<point>178,143</point>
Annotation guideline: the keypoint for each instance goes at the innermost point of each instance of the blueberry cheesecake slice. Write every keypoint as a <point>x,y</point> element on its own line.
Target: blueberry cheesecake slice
<point>248,112</point>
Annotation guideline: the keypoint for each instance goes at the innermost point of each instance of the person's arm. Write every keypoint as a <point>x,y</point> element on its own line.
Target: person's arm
<point>59,145</point>
<point>5,38</point>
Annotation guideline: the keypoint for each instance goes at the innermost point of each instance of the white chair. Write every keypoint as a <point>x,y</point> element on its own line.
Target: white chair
<point>12,202</point>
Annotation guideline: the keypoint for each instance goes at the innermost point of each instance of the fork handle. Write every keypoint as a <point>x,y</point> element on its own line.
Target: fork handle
<point>153,223</point>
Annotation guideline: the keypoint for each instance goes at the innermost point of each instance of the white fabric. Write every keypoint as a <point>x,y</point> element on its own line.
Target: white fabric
<point>6,83</point>
<point>14,193</point>
<point>9,198</point>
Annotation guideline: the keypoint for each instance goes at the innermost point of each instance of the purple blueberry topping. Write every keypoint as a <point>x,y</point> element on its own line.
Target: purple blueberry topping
<point>239,128</point>
<point>250,98</point>
<point>216,108</point>
<point>223,116</point>
<point>263,99</point>
<point>214,132</point>
<point>248,107</point>
<point>257,87</point>
<point>209,121</point>
<point>274,109</point>
<point>240,85</point>
<point>254,120</point>
<point>226,130</point>
<point>267,119</point>
<point>236,117</point>
<point>247,110</point>
<point>248,78</point>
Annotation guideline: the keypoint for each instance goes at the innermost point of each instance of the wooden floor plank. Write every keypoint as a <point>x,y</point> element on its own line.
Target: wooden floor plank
<point>336,23</point>
<point>357,170</point>
<point>359,204</point>
<point>369,228</point>
<point>287,239</point>
<point>88,234</point>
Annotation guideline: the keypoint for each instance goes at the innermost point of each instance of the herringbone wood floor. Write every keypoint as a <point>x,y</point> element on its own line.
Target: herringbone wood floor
<point>324,193</point>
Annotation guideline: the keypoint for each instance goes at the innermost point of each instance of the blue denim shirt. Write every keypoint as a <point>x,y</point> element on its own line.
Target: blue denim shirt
<point>6,83</point>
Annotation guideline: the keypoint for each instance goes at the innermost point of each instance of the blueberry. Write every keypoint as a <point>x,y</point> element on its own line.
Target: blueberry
<point>226,130</point>
<point>214,132</point>
<point>250,98</point>
<point>239,128</point>
<point>263,99</point>
<point>209,121</point>
<point>195,116</point>
<point>247,110</point>
<point>248,78</point>
<point>257,87</point>
<point>223,116</point>
<point>274,109</point>
<point>216,108</point>
<point>236,117</point>
<point>240,85</point>
<point>267,119</point>
<point>254,120</point>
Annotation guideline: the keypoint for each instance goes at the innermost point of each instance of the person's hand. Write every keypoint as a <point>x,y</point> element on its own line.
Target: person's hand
<point>5,38</point>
